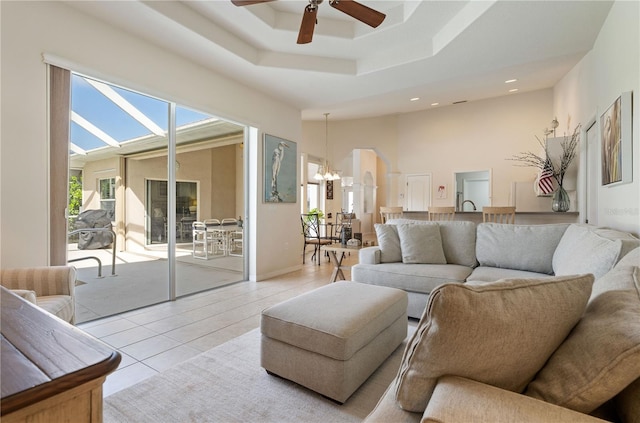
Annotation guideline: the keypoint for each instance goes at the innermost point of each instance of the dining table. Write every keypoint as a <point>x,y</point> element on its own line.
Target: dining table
<point>225,234</point>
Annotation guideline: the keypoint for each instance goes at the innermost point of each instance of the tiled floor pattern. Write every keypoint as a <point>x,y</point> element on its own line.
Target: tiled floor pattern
<point>155,338</point>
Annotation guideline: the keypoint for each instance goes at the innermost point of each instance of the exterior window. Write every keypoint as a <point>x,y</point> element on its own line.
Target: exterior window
<point>313,196</point>
<point>107,188</point>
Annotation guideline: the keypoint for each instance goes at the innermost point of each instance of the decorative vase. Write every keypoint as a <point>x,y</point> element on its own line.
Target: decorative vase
<point>561,201</point>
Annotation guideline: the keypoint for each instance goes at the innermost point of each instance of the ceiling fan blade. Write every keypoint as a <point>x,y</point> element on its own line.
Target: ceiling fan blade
<point>359,11</point>
<point>249,2</point>
<point>308,24</point>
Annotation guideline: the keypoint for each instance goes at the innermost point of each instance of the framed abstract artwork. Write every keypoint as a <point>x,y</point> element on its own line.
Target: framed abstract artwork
<point>280,160</point>
<point>616,143</point>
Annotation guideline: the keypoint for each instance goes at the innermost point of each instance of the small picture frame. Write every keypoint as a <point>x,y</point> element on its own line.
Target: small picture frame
<point>329,190</point>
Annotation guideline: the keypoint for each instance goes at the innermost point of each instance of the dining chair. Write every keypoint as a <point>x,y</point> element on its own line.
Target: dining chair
<point>311,234</point>
<point>200,241</point>
<point>499,214</point>
<point>343,222</point>
<point>236,247</point>
<point>215,237</point>
<point>184,225</point>
<point>442,213</point>
<point>387,213</point>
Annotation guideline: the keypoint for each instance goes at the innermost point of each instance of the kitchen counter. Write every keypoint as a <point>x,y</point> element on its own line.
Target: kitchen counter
<point>522,217</point>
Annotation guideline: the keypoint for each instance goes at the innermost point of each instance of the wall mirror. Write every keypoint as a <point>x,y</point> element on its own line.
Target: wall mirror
<point>473,190</point>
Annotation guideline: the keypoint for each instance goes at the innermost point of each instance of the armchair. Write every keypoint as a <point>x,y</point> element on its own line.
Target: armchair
<point>53,287</point>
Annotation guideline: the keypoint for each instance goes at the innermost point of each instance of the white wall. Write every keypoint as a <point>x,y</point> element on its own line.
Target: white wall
<point>474,136</point>
<point>609,69</point>
<point>467,137</point>
<point>29,29</point>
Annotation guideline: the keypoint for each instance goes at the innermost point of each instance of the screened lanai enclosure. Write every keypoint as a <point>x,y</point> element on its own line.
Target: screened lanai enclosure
<point>154,168</point>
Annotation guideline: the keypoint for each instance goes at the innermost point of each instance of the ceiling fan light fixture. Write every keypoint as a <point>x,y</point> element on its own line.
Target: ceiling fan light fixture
<point>352,8</point>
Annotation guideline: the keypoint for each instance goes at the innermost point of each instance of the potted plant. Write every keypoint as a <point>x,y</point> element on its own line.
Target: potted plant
<point>317,211</point>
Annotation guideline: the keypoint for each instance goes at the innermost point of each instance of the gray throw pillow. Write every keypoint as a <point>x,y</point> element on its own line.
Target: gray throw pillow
<point>581,250</point>
<point>421,244</point>
<point>389,243</point>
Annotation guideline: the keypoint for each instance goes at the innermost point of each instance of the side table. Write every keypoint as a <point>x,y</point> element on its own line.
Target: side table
<point>336,253</point>
<point>51,371</point>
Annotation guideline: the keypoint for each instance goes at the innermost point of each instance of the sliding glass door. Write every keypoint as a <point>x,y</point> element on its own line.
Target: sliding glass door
<point>144,172</point>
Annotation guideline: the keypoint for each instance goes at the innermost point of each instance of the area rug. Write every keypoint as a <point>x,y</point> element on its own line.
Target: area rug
<point>227,384</point>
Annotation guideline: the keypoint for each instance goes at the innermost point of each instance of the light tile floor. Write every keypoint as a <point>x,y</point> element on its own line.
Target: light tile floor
<point>155,338</point>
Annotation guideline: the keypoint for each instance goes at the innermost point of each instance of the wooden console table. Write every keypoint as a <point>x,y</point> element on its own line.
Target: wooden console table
<point>51,370</point>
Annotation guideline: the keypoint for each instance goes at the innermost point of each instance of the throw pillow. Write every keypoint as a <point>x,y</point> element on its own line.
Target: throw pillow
<point>581,250</point>
<point>421,244</point>
<point>500,333</point>
<point>602,354</point>
<point>389,243</point>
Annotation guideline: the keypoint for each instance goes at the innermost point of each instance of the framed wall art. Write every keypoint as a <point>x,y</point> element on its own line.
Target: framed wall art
<point>329,190</point>
<point>280,159</point>
<point>616,143</point>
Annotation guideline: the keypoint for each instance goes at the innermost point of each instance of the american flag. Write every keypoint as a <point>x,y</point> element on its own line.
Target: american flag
<point>545,179</point>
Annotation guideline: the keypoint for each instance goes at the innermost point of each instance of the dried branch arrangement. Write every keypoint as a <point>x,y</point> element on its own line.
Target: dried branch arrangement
<point>559,166</point>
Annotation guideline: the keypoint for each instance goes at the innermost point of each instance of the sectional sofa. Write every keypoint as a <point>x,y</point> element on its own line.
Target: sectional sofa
<point>545,327</point>
<point>417,256</point>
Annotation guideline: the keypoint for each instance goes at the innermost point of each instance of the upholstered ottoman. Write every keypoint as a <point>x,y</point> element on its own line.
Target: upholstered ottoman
<point>332,339</point>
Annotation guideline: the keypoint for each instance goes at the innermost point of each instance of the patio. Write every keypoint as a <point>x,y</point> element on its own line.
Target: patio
<point>142,279</point>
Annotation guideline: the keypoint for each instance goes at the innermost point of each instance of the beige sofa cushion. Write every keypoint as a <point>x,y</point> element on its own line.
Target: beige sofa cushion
<point>59,305</point>
<point>486,403</point>
<point>602,354</point>
<point>500,333</point>
<point>27,294</point>
<point>628,403</point>
<point>421,244</point>
<point>389,243</point>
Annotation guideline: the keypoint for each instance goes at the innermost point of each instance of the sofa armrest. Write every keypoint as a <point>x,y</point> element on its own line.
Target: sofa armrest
<point>369,255</point>
<point>457,399</point>
<point>45,281</point>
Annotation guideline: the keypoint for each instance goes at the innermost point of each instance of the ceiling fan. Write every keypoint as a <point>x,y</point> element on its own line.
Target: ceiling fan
<point>352,8</point>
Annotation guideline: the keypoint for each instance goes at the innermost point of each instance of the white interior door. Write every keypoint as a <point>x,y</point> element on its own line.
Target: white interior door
<point>418,192</point>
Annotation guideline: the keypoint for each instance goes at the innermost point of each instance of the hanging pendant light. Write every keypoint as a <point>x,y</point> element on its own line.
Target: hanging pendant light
<point>324,172</point>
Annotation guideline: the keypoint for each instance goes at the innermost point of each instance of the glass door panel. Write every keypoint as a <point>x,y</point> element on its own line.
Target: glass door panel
<point>120,161</point>
<point>209,189</point>
<point>118,154</point>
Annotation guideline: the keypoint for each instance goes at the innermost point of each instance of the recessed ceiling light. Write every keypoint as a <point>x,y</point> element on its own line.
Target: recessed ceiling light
<point>513,90</point>
<point>415,99</point>
<point>435,104</point>
<point>509,81</point>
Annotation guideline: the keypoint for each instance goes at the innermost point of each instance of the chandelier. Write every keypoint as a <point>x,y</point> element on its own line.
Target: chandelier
<point>324,172</point>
